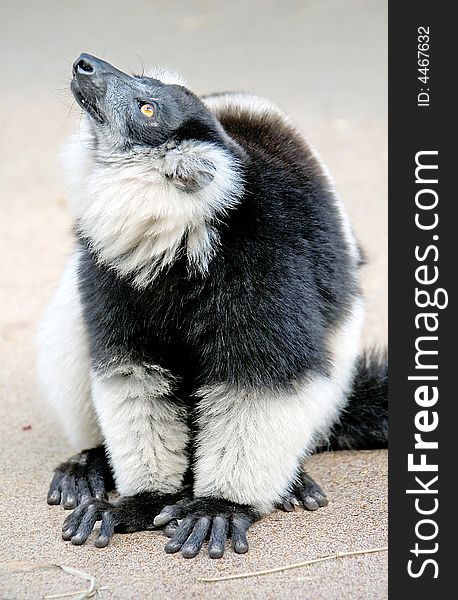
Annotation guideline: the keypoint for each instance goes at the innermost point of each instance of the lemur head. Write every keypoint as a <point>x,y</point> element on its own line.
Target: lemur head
<point>138,110</point>
<point>151,171</point>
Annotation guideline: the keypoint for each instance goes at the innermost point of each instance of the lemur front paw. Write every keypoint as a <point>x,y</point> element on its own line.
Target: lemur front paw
<point>206,518</point>
<point>84,476</point>
<point>305,492</point>
<point>129,514</point>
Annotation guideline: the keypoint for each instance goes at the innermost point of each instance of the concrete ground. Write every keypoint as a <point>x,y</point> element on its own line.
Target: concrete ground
<point>324,62</point>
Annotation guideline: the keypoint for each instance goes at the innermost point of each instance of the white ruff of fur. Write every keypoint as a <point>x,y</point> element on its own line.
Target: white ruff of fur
<point>135,210</point>
<point>251,442</point>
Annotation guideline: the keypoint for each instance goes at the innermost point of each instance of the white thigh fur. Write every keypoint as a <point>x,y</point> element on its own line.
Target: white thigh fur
<point>251,442</point>
<point>145,433</point>
<point>63,361</point>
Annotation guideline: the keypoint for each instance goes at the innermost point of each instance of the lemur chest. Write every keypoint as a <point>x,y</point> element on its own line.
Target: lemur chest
<point>128,324</point>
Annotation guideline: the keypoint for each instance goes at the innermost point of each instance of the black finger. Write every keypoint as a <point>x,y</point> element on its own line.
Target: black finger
<point>321,499</point>
<point>239,530</point>
<point>170,528</point>
<point>83,491</point>
<point>86,525</point>
<point>313,490</point>
<point>309,502</point>
<point>180,535</point>
<point>106,530</point>
<point>218,537</point>
<point>69,499</point>
<point>172,511</point>
<point>97,486</point>
<point>288,505</point>
<point>72,522</point>
<point>54,488</point>
<point>194,543</point>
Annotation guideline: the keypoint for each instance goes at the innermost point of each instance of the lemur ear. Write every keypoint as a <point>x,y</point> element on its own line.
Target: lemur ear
<point>188,168</point>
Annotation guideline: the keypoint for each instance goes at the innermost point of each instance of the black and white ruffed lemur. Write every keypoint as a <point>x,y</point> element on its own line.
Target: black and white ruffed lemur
<point>204,338</point>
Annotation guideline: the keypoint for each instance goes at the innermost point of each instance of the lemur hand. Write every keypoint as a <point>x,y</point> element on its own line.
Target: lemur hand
<point>305,492</point>
<point>129,514</point>
<point>84,476</point>
<point>203,518</point>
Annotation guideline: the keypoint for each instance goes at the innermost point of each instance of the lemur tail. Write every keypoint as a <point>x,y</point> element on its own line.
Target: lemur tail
<point>363,423</point>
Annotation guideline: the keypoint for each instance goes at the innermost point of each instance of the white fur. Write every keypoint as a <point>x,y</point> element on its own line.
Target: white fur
<point>145,433</point>
<point>167,75</point>
<point>63,361</point>
<point>245,103</point>
<point>250,443</point>
<point>135,210</point>
<point>261,107</point>
<point>343,345</point>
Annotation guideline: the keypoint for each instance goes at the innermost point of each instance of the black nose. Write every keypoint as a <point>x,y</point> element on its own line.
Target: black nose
<point>83,66</point>
<point>88,66</point>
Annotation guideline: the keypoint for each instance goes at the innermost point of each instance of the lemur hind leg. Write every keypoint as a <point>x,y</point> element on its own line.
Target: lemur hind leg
<point>84,476</point>
<point>146,435</point>
<point>64,373</point>
<point>250,447</point>
<point>248,450</point>
<point>64,361</point>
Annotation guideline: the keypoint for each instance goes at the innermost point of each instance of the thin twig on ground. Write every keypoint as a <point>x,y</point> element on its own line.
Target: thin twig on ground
<point>291,566</point>
<point>90,592</point>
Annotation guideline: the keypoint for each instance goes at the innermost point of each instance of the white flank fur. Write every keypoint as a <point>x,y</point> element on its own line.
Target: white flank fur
<point>146,435</point>
<point>135,210</point>
<point>63,362</point>
<point>251,443</point>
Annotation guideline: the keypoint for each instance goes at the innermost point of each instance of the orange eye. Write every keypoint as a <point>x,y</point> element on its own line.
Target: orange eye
<point>147,110</point>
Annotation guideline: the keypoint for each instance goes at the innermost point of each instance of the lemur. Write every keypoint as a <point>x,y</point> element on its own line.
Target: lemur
<point>204,337</point>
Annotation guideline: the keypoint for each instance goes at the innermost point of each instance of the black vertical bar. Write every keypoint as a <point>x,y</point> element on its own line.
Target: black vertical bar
<point>422,118</point>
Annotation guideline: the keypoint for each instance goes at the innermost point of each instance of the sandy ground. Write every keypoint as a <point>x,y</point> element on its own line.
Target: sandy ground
<point>324,62</point>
